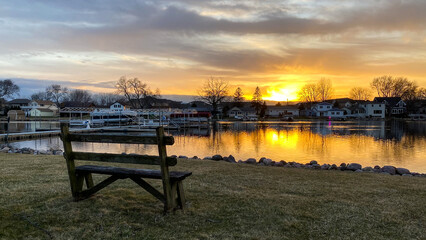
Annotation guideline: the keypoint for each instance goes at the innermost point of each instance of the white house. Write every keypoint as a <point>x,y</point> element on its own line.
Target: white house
<point>321,108</point>
<point>117,107</point>
<point>40,104</point>
<point>335,113</point>
<point>277,111</point>
<point>243,112</point>
<point>41,112</point>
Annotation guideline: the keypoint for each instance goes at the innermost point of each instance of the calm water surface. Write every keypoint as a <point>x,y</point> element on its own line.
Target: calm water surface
<point>397,143</point>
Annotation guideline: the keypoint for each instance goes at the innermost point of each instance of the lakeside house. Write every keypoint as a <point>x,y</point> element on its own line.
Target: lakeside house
<point>395,106</point>
<point>280,111</point>
<point>42,106</point>
<point>14,115</point>
<point>18,103</point>
<point>41,112</point>
<point>244,112</point>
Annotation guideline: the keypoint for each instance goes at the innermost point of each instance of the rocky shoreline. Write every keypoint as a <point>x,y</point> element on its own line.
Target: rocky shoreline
<point>11,149</point>
<point>350,167</point>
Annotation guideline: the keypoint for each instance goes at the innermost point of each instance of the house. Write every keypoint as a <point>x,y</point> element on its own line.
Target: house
<point>14,115</point>
<point>117,107</point>
<point>320,109</point>
<point>394,105</point>
<point>40,104</point>
<point>279,111</point>
<point>242,112</point>
<point>41,112</point>
<point>335,113</point>
<point>18,103</point>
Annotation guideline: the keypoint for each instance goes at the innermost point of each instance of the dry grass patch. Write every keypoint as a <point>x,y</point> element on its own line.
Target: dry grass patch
<point>226,201</point>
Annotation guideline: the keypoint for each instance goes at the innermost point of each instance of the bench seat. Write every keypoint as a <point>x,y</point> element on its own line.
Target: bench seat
<point>130,172</point>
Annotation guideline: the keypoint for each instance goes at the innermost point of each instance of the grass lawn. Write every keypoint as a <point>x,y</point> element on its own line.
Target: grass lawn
<point>226,201</point>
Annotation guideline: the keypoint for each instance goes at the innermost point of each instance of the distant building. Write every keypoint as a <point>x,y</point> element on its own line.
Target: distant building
<point>18,103</point>
<point>279,111</point>
<point>335,113</point>
<point>16,115</point>
<point>40,104</point>
<point>242,112</point>
<point>321,109</point>
<point>41,112</point>
<point>394,105</point>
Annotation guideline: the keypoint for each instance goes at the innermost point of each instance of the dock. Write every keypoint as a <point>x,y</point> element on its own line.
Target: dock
<point>39,134</point>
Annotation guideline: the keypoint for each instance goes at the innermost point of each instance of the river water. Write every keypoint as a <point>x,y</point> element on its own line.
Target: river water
<point>397,143</point>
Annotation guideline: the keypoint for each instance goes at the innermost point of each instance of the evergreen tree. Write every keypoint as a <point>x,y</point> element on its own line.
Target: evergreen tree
<point>238,97</point>
<point>256,101</point>
<point>263,109</point>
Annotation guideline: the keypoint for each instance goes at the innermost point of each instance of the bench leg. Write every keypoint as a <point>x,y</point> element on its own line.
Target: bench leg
<point>181,196</point>
<point>174,190</point>
<point>89,180</point>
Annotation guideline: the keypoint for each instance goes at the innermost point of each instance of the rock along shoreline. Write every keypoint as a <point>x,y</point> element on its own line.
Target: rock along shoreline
<point>350,167</point>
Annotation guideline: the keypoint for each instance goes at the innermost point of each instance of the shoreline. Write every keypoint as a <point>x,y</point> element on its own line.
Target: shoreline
<point>267,162</point>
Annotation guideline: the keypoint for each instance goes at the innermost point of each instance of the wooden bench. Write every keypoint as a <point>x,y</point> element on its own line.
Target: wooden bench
<point>172,195</point>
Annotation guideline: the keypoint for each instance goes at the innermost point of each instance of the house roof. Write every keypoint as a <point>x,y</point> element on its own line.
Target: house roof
<point>285,107</point>
<point>19,101</point>
<point>324,103</point>
<point>45,102</point>
<point>391,101</point>
<point>75,104</point>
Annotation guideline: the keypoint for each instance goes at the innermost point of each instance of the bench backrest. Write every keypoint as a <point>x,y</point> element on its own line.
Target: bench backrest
<point>158,139</point>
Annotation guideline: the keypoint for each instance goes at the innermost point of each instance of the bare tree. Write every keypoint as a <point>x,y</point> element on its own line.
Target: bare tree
<point>421,94</point>
<point>388,86</point>
<point>107,99</point>
<point>325,89</point>
<point>214,91</point>
<point>8,88</point>
<point>57,93</point>
<point>360,93</point>
<point>42,95</point>
<point>256,100</point>
<point>137,93</point>
<point>79,95</point>
<point>308,93</point>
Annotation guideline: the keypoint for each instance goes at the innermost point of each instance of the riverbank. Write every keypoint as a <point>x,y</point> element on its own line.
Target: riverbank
<point>239,202</point>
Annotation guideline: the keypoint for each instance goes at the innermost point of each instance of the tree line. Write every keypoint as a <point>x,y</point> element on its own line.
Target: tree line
<point>384,86</point>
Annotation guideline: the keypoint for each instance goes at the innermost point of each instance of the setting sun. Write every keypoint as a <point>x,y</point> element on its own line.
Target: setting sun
<point>281,94</point>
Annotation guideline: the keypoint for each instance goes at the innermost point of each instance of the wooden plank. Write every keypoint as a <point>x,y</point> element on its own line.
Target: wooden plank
<point>121,158</point>
<point>119,138</point>
<point>149,188</point>
<point>128,172</point>
<point>69,158</point>
<point>89,192</point>
<point>165,175</point>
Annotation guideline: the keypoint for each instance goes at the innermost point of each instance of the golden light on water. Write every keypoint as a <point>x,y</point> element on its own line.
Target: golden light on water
<point>283,138</point>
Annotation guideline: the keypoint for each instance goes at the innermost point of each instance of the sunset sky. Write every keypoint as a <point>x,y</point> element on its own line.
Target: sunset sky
<point>175,45</point>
